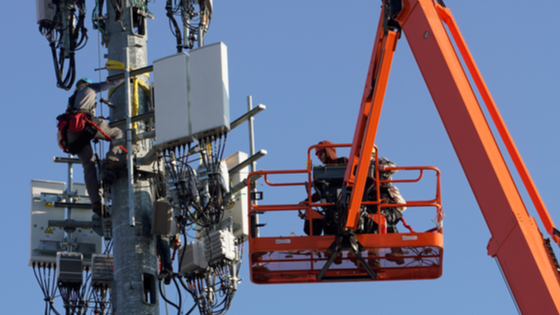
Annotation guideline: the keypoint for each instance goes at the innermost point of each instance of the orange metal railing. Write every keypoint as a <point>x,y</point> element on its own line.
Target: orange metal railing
<point>299,259</point>
<point>381,203</point>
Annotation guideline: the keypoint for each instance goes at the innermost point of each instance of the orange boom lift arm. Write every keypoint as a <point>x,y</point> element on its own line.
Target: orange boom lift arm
<point>524,255</point>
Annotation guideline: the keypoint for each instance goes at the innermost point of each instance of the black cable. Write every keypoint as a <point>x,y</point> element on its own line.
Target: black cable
<point>86,291</point>
<point>77,39</point>
<point>55,62</point>
<point>223,150</point>
<point>39,281</point>
<point>52,308</point>
<point>192,309</point>
<point>80,34</point>
<point>186,287</point>
<point>164,297</point>
<point>100,297</point>
<point>96,298</point>
<point>52,294</point>
<point>54,285</point>
<point>193,295</point>
<point>184,157</point>
<point>46,276</point>
<point>43,276</point>
<point>184,247</point>
<point>180,295</point>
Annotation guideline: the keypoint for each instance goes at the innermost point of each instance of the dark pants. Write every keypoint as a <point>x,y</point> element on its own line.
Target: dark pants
<point>86,156</point>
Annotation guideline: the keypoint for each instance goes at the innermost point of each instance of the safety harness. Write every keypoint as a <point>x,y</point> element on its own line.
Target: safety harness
<point>75,122</point>
<point>78,122</point>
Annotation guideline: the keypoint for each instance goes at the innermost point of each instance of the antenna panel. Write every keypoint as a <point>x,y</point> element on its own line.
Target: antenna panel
<point>238,212</point>
<point>209,86</point>
<point>171,95</point>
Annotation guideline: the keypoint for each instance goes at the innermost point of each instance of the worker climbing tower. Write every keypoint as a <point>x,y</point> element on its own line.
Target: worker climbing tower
<point>174,207</point>
<point>178,193</point>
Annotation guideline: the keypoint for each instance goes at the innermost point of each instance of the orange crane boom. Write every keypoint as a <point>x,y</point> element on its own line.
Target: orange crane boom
<point>527,261</point>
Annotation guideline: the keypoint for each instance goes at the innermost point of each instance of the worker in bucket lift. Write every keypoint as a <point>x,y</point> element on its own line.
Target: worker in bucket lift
<point>327,155</point>
<point>84,100</point>
<point>393,215</point>
<point>387,192</point>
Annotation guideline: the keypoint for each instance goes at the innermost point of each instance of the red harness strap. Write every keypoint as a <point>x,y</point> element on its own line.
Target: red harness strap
<point>104,134</point>
<point>407,226</point>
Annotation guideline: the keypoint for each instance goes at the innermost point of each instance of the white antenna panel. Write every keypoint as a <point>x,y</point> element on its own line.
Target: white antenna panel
<point>208,68</point>
<point>171,95</point>
<point>191,96</point>
<point>238,213</point>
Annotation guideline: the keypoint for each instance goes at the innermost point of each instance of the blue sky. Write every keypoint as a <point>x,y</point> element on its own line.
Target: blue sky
<point>307,62</point>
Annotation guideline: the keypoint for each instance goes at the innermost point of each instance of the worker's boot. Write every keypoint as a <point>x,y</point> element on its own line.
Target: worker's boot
<point>261,273</point>
<point>396,255</point>
<point>374,262</point>
<point>96,207</point>
<point>337,260</point>
<point>371,261</point>
<point>167,275</point>
<point>115,162</point>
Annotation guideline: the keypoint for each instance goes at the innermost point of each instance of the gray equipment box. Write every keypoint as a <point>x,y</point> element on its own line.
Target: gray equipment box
<point>192,257</point>
<point>47,203</point>
<point>329,172</point>
<point>219,245</point>
<point>45,11</point>
<point>335,172</point>
<point>163,222</point>
<point>44,241</point>
<point>102,270</point>
<point>69,268</point>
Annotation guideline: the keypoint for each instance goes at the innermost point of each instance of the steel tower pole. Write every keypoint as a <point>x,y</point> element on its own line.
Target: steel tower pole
<point>134,249</point>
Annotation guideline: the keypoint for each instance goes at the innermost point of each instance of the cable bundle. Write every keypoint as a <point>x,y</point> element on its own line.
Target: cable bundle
<point>66,34</point>
<point>194,21</point>
<point>199,195</point>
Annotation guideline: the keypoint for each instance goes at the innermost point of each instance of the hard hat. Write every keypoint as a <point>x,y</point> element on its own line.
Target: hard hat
<point>319,149</point>
<point>88,80</point>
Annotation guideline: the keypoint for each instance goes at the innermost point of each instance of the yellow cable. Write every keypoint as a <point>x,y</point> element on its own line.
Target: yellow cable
<point>118,65</point>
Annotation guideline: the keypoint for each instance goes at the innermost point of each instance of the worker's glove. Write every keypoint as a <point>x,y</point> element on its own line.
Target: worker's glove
<point>301,214</point>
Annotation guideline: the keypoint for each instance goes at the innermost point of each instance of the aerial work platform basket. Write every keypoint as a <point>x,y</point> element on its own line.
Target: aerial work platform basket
<point>328,258</point>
